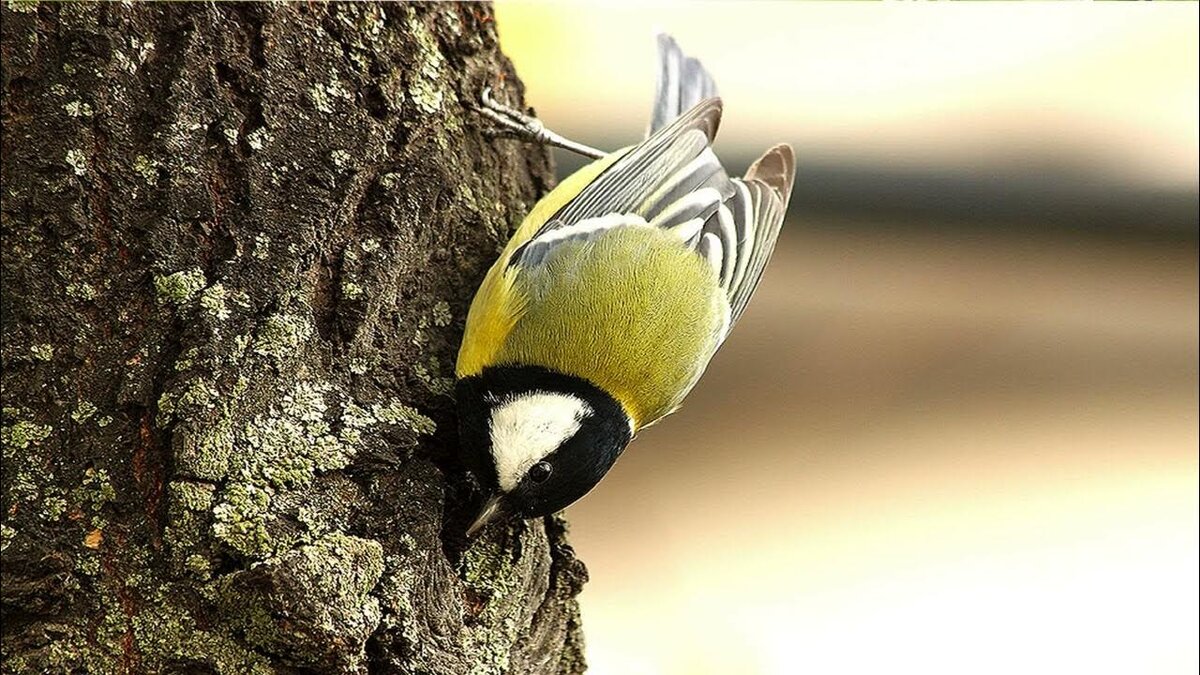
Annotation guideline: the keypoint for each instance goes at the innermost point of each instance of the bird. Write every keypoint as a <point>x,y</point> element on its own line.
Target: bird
<point>608,302</point>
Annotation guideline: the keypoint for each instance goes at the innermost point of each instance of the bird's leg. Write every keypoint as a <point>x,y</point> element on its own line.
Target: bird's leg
<point>516,123</point>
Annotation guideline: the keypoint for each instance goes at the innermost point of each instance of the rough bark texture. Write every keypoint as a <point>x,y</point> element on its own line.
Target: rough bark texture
<point>238,246</point>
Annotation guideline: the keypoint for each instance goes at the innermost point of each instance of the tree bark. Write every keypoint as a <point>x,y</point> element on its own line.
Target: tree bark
<point>239,242</point>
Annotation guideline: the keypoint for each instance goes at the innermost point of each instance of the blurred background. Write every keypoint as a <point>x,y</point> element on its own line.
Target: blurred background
<point>956,431</point>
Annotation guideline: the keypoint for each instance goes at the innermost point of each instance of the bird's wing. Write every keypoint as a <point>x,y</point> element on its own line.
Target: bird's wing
<point>672,164</point>
<point>672,180</point>
<point>675,182</point>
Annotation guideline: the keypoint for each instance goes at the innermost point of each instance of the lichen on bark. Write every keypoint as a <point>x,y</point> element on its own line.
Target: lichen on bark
<point>238,246</point>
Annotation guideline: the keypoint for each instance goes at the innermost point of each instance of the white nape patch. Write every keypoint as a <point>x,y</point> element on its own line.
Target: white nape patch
<point>526,428</point>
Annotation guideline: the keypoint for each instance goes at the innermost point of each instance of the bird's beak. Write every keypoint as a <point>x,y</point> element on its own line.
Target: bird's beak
<point>492,508</point>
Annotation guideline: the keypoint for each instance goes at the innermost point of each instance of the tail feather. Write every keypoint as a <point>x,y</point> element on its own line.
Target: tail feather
<point>682,83</point>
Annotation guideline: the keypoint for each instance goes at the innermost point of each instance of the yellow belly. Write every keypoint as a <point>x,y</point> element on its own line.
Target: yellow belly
<point>632,311</point>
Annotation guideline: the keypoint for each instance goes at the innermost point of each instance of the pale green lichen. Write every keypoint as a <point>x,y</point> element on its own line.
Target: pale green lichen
<point>189,504</point>
<point>20,435</point>
<point>488,566</point>
<point>322,95</point>
<point>78,162</point>
<point>258,138</point>
<point>282,449</point>
<point>281,335</point>
<point>316,520</point>
<point>147,169</point>
<point>369,245</point>
<point>425,85</point>
<point>241,519</point>
<point>418,336</point>
<point>53,507</point>
<point>199,566</point>
<point>81,291</point>
<point>179,288</point>
<point>372,22</point>
<point>357,417</point>
<point>187,359</point>
<point>97,489</point>
<point>22,5</point>
<point>83,412</point>
<point>140,50</point>
<point>332,578</point>
<point>239,299</point>
<point>320,99</point>
<point>163,632</point>
<point>104,421</point>
<point>428,375</point>
<point>453,23</point>
<point>6,536</point>
<point>207,453</point>
<point>262,247</point>
<point>43,351</point>
<point>292,444</point>
<point>352,291</point>
<point>197,394</point>
<point>408,417</point>
<point>192,495</point>
<point>88,563</point>
<point>441,314</point>
<point>22,487</point>
<point>212,301</point>
<point>78,109</point>
<point>324,564</point>
<point>285,448</point>
<point>240,344</point>
<point>340,158</point>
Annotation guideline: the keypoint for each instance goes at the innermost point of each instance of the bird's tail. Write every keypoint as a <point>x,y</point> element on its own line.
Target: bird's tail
<point>682,83</point>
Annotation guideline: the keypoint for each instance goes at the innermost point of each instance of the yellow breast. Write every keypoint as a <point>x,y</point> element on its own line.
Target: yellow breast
<point>633,311</point>
<point>495,309</point>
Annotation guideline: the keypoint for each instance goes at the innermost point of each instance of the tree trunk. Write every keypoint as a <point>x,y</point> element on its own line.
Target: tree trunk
<point>239,244</point>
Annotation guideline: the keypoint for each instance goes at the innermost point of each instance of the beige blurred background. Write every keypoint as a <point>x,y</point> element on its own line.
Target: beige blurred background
<point>956,431</point>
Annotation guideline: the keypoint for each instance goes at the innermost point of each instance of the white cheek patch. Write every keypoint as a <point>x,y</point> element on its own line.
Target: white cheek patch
<point>526,428</point>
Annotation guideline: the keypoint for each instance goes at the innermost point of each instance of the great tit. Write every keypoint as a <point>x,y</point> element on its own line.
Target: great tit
<point>610,299</point>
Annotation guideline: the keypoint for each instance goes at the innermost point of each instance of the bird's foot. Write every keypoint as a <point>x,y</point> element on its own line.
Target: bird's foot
<point>513,123</point>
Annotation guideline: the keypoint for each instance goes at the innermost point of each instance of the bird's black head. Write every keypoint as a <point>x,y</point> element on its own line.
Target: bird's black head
<point>536,439</point>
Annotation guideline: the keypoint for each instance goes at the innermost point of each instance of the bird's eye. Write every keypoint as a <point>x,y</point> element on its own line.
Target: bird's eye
<point>539,472</point>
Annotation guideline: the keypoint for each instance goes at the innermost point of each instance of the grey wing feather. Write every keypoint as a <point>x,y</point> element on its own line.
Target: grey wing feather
<point>672,163</point>
<point>758,208</point>
<point>682,83</point>
<point>673,174</point>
